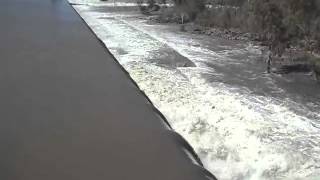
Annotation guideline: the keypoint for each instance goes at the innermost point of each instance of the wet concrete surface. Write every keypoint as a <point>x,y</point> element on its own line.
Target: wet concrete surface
<point>69,111</point>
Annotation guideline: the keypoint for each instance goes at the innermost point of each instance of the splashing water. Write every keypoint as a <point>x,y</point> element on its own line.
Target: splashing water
<point>238,134</point>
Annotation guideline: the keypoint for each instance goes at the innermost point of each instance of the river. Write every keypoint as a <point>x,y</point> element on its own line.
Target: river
<point>244,123</point>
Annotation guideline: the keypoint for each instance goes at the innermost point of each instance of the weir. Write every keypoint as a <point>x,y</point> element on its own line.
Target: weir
<point>69,111</point>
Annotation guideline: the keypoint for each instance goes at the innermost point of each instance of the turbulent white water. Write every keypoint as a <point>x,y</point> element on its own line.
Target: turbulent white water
<point>237,133</point>
<point>100,3</point>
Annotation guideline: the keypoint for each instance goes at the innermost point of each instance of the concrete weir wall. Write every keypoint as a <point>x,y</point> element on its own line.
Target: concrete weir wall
<point>69,111</point>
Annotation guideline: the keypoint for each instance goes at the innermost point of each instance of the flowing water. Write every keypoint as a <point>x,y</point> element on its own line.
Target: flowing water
<point>243,123</point>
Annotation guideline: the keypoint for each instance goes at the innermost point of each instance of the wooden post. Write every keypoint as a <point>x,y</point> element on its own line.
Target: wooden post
<point>269,62</point>
<point>182,18</point>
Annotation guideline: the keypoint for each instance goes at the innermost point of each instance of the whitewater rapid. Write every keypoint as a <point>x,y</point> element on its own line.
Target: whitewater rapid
<point>238,134</point>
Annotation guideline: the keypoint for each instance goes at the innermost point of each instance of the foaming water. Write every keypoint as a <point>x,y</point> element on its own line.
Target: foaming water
<point>99,3</point>
<point>240,129</point>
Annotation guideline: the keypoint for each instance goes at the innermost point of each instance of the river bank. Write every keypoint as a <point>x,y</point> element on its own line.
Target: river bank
<point>293,59</point>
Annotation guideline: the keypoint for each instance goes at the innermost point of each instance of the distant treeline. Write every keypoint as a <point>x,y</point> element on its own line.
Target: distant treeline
<point>281,23</point>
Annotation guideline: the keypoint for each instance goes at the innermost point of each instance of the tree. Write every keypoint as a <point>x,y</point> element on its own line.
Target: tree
<point>189,8</point>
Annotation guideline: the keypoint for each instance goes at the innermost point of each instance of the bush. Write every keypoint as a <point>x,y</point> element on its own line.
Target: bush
<point>281,23</point>
<point>189,8</point>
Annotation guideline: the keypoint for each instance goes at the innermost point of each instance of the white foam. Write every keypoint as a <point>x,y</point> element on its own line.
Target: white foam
<point>238,135</point>
<point>110,3</point>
